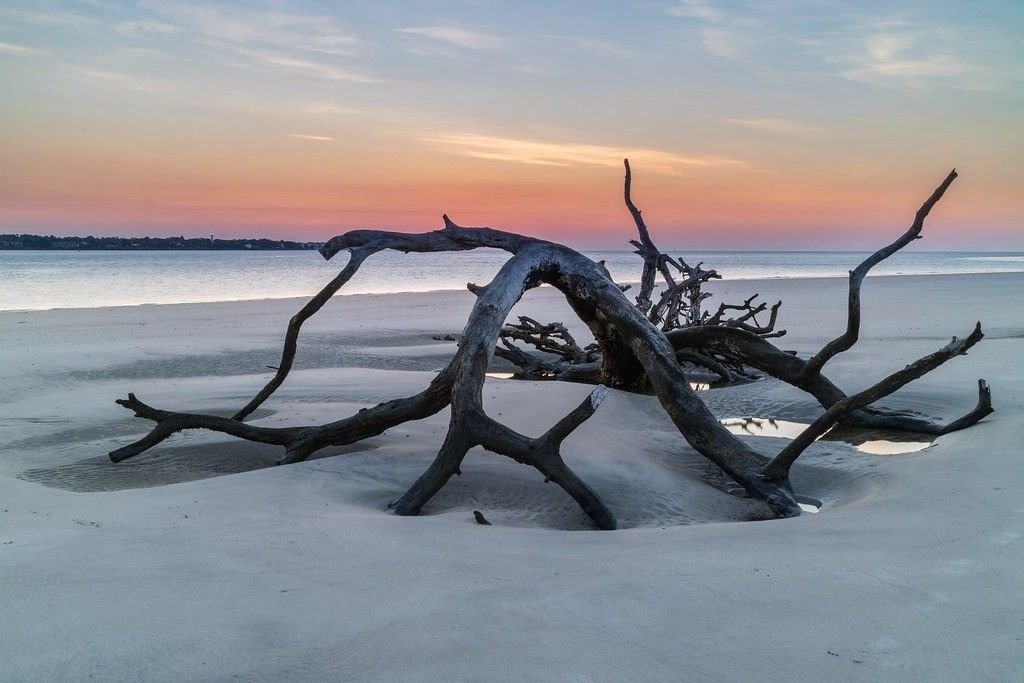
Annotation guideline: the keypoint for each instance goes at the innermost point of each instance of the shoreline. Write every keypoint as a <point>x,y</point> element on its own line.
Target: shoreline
<point>405,293</point>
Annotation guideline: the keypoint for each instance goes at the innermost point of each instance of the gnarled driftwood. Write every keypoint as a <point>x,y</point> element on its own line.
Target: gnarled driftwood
<point>632,347</point>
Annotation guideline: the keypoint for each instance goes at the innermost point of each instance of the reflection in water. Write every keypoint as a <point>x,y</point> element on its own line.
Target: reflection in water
<point>763,427</point>
<point>806,503</point>
<point>874,442</point>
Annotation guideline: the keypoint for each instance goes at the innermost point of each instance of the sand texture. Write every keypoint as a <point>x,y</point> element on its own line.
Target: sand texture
<point>201,561</point>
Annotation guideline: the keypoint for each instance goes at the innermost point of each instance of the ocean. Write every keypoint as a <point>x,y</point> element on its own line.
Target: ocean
<point>36,280</point>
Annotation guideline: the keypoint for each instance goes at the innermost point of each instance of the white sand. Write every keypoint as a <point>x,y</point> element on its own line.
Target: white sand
<point>159,569</point>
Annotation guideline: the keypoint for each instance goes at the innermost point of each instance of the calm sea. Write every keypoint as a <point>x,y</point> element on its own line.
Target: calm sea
<point>33,280</point>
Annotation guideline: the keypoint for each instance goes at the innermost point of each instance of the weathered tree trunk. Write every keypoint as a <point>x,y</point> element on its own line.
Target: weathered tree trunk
<point>632,349</point>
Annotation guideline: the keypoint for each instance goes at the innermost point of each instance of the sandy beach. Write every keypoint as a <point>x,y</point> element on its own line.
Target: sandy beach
<point>201,561</point>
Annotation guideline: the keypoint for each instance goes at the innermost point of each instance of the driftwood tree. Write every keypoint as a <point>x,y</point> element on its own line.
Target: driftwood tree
<point>678,305</point>
<point>636,344</point>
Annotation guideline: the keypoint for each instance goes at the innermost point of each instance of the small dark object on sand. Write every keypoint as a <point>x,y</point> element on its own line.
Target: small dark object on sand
<point>480,519</point>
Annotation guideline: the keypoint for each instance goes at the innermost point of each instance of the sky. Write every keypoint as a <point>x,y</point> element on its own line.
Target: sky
<point>761,125</point>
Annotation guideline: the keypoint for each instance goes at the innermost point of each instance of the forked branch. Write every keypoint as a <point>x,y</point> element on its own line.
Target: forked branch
<point>779,467</point>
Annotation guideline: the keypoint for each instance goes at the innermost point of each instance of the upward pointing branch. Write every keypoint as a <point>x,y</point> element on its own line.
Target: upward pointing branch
<point>645,246</point>
<point>641,227</point>
<point>291,339</point>
<point>849,338</point>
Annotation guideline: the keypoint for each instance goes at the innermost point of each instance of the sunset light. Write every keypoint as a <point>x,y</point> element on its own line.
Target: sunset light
<point>793,125</point>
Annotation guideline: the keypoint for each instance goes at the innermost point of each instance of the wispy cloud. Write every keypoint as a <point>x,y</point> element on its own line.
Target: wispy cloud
<point>697,9</point>
<point>241,26</point>
<point>306,67</point>
<point>725,34</point>
<point>601,47</point>
<point>21,50</point>
<point>540,153</point>
<point>777,126</point>
<point>458,36</point>
<point>898,54</point>
<point>853,43</point>
<point>303,136</point>
<point>145,29</point>
<point>307,45</point>
<point>324,109</point>
<point>303,112</point>
<point>52,16</point>
<point>122,80</point>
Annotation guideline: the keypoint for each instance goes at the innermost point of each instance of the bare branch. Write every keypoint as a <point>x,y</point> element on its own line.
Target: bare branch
<point>169,422</point>
<point>754,351</point>
<point>849,338</point>
<point>780,464</point>
<point>553,338</point>
<point>291,337</point>
<point>557,434</point>
<point>654,260</point>
<point>983,408</point>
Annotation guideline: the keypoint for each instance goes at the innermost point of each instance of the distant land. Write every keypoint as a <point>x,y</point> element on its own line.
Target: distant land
<point>143,243</point>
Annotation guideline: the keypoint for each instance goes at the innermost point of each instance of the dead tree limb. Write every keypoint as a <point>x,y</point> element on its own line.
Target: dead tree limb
<point>753,351</point>
<point>291,339</point>
<point>778,468</point>
<point>680,302</point>
<point>553,338</point>
<point>846,340</point>
<point>651,255</point>
<point>703,360</point>
<point>530,366</point>
<point>750,313</point>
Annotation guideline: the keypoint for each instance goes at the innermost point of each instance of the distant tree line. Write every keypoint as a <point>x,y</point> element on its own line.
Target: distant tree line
<point>139,243</point>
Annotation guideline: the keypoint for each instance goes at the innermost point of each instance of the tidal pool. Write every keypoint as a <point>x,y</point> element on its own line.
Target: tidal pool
<point>872,441</point>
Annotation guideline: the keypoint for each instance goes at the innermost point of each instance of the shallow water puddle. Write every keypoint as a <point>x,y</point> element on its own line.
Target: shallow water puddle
<point>874,442</point>
<point>806,503</point>
<point>887,447</point>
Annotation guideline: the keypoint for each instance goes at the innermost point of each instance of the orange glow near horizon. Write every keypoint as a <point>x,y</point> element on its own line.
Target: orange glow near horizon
<point>294,194</point>
<point>305,128</point>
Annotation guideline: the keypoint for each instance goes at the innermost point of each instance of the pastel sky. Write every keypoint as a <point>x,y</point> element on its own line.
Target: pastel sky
<point>774,124</point>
